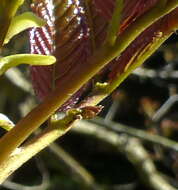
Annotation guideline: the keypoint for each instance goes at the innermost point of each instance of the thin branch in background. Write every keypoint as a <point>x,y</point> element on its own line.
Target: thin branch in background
<point>120,128</point>
<point>165,108</point>
<point>78,171</point>
<point>112,111</point>
<point>44,173</point>
<point>128,186</point>
<point>24,84</point>
<point>20,80</point>
<point>150,73</point>
<point>132,149</point>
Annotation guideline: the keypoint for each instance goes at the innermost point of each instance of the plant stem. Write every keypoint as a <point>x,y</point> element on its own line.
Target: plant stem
<point>141,24</point>
<point>31,148</point>
<point>115,23</point>
<point>42,112</point>
<point>75,81</point>
<point>136,63</point>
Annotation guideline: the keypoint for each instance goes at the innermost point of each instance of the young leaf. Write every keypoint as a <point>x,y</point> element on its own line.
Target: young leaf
<point>77,29</point>
<point>32,59</point>
<point>68,30</point>
<point>22,22</point>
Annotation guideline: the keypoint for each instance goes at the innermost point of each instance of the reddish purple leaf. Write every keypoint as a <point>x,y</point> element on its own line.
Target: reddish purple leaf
<point>159,29</point>
<point>75,29</point>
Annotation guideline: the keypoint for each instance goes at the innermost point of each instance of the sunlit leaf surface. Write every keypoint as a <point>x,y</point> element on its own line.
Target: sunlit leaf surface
<point>76,28</point>
<point>22,22</point>
<point>32,59</point>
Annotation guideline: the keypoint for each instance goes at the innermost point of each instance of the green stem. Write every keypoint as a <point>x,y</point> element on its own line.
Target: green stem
<point>140,25</point>
<point>30,149</point>
<point>139,61</point>
<point>99,94</point>
<point>41,113</point>
<point>115,23</point>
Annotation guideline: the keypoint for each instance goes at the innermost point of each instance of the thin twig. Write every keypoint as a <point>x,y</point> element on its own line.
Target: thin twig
<point>150,73</point>
<point>78,171</point>
<point>133,150</point>
<point>20,80</point>
<point>165,108</point>
<point>112,110</point>
<point>156,139</point>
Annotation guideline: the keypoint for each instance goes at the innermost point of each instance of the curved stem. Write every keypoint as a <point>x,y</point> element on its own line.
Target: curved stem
<point>136,63</point>
<point>33,147</point>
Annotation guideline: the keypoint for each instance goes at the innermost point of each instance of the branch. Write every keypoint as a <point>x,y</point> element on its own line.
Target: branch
<point>132,149</point>
<point>77,170</point>
<point>56,129</point>
<point>150,73</point>
<point>16,186</point>
<point>165,108</point>
<point>21,82</point>
<point>156,139</point>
